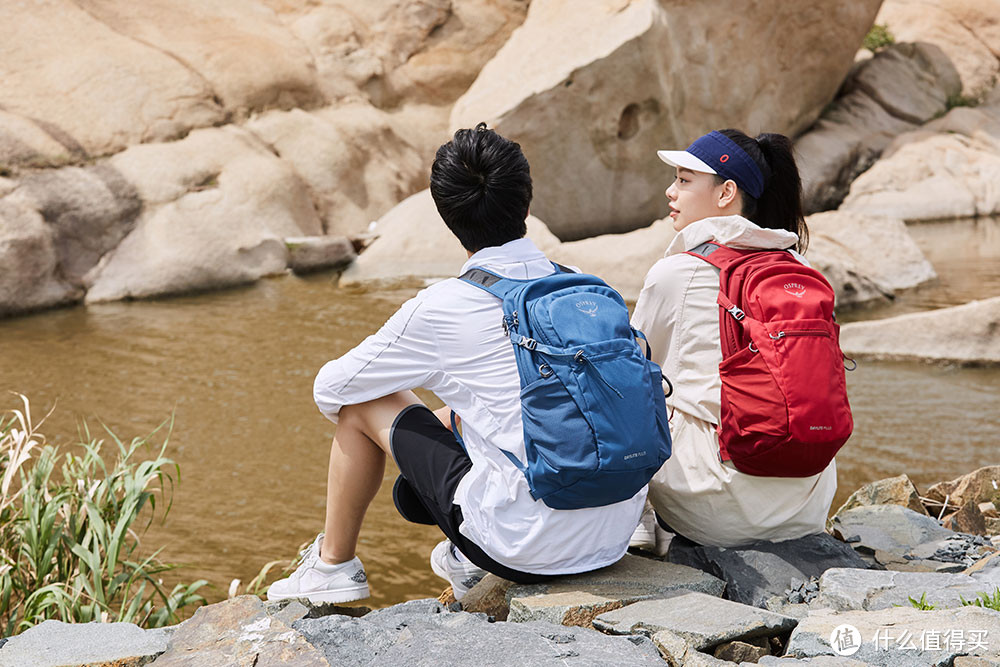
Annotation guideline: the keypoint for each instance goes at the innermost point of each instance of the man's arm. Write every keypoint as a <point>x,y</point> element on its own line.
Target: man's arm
<point>401,355</point>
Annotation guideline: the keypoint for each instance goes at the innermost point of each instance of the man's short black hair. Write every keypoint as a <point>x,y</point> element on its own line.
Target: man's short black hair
<point>481,186</point>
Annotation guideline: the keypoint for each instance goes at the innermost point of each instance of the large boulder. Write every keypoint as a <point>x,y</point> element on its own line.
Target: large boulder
<point>927,175</point>
<point>389,51</point>
<point>26,143</point>
<point>967,31</point>
<point>414,246</point>
<point>979,486</point>
<point>65,68</point>
<point>897,490</point>
<point>57,644</point>
<point>865,257</point>
<point>967,334</point>
<point>30,278</point>
<point>355,165</point>
<point>622,260</point>
<point>240,49</point>
<point>591,91</point>
<point>217,206</point>
<point>901,87</point>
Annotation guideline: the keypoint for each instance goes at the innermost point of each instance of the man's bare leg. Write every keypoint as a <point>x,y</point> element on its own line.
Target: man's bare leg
<point>357,465</point>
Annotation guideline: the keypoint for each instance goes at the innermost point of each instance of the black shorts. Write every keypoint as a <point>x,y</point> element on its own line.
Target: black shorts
<point>432,463</point>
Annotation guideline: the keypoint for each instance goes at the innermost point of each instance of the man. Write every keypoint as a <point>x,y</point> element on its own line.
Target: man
<point>449,340</point>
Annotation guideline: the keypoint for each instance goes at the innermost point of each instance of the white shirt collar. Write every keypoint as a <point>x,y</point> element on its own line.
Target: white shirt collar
<point>497,258</point>
<point>734,231</point>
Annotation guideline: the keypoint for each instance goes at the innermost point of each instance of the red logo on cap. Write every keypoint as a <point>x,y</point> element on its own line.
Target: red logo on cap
<point>724,158</point>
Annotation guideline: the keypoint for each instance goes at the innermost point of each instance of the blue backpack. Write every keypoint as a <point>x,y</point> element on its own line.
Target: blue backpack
<point>592,404</point>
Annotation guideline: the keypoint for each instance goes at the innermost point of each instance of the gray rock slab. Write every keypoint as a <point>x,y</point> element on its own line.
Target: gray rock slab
<point>702,620</point>
<point>241,631</point>
<point>890,528</point>
<point>56,644</point>
<point>578,599</point>
<point>755,573</point>
<point>902,636</point>
<point>869,590</point>
<point>315,253</point>
<point>818,661</point>
<point>424,632</point>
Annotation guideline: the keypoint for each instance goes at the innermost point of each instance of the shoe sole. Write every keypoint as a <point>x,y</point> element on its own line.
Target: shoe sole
<point>326,597</point>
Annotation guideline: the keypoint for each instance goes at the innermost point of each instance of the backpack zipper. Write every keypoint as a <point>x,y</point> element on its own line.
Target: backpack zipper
<point>800,332</point>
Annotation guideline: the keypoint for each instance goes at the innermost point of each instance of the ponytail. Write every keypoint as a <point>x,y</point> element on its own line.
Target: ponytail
<point>780,204</point>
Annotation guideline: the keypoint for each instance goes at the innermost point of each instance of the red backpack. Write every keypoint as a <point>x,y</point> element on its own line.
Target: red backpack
<point>784,395</point>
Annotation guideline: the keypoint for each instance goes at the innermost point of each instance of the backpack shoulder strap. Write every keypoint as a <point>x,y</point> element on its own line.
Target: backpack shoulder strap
<point>490,282</point>
<point>719,256</point>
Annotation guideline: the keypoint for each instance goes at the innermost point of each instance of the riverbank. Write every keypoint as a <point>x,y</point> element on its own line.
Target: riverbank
<point>900,580</point>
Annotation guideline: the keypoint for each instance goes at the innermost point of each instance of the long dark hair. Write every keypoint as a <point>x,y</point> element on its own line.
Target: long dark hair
<point>780,204</point>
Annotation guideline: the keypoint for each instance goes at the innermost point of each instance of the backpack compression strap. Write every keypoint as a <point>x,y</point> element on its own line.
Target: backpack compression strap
<point>496,284</point>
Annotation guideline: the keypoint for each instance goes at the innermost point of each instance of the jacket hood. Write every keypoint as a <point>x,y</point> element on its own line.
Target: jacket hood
<point>734,231</point>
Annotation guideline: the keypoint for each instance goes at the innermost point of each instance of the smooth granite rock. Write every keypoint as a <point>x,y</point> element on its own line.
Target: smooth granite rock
<point>702,620</point>
<point>315,253</point>
<point>902,636</point>
<point>869,590</point>
<point>424,632</point>
<point>578,599</point>
<point>56,644</point>
<point>755,573</point>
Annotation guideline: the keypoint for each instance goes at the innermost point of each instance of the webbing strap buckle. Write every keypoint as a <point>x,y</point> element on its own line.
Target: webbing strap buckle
<point>737,314</point>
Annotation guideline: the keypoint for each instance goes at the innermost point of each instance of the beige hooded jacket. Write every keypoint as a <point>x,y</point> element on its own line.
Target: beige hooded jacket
<point>700,497</point>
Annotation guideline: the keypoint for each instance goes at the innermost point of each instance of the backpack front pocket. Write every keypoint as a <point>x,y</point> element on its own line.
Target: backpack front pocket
<point>751,395</point>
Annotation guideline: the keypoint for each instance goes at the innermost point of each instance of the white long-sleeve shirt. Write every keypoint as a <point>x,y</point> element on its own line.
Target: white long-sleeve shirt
<point>448,339</point>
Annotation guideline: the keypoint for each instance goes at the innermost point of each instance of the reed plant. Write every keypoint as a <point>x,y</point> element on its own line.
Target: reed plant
<point>70,528</point>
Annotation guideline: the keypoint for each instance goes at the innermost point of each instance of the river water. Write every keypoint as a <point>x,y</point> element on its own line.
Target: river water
<point>235,370</point>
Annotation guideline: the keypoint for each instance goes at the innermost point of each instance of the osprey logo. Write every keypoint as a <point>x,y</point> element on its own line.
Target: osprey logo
<point>795,289</point>
<point>587,308</point>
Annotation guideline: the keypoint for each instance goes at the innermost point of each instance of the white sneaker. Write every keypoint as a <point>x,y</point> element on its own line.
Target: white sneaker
<point>320,582</point>
<point>644,536</point>
<point>449,564</point>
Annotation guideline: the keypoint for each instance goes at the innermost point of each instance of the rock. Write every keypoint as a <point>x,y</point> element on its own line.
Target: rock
<point>892,491</point>
<point>423,632</point>
<point>314,253</point>
<point>253,200</point>
<point>387,51</point>
<point>488,597</point>
<point>988,509</point>
<point>56,644</point>
<point>355,165</point>
<point>702,620</point>
<point>868,590</point>
<point>239,631</point>
<point>89,209</point>
<point>415,246</point>
<point>886,632</point>
<point>622,260</point>
<point>993,527</point>
<point>672,647</point>
<point>25,143</point>
<point>987,563</point>
<point>965,30</point>
<point>742,651</point>
<point>966,520</point>
<point>755,573</point>
<point>843,143</point>
<point>927,175</point>
<point>913,82</point>
<point>113,91</point>
<point>619,79</point>
<point>964,334</point>
<point>890,528</point>
<point>577,599</point>
<point>30,279</point>
<point>979,486</point>
<point>818,661</point>
<point>864,257</point>
<point>966,661</point>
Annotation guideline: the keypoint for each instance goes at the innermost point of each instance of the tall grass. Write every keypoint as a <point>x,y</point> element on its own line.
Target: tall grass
<point>70,528</point>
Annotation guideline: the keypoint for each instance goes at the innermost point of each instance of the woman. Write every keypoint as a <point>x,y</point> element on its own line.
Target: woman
<point>743,193</point>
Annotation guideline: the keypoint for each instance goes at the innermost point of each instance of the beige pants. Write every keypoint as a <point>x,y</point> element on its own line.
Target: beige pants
<point>714,504</point>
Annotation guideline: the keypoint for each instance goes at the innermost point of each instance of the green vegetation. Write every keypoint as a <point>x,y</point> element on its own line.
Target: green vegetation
<point>984,600</point>
<point>922,604</point>
<point>878,37</point>
<point>960,100</point>
<point>68,546</point>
